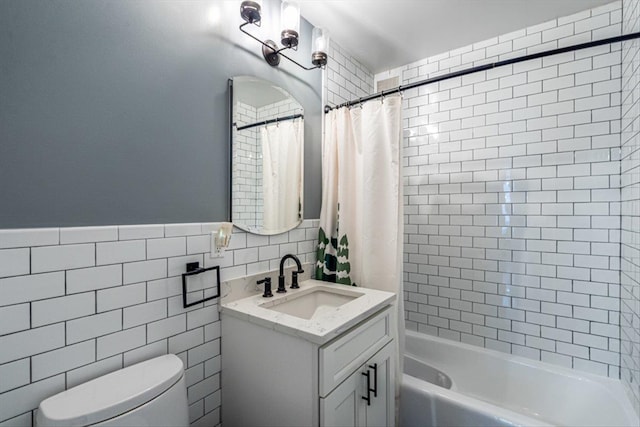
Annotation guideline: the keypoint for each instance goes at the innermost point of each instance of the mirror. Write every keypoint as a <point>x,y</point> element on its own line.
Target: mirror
<point>267,152</point>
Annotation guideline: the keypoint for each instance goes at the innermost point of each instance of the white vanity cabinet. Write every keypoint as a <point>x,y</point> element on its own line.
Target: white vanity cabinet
<point>273,378</point>
<point>374,380</point>
<point>356,379</point>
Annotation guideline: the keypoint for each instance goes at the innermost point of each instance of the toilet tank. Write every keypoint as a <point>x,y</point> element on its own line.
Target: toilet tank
<point>150,393</point>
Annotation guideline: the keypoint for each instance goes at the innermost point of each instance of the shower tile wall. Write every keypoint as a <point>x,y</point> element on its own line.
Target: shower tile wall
<point>512,195</point>
<point>245,173</point>
<point>76,303</point>
<point>279,109</point>
<point>630,165</point>
<point>345,78</point>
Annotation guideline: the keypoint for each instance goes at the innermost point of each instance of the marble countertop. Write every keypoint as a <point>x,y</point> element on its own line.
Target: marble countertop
<point>321,328</point>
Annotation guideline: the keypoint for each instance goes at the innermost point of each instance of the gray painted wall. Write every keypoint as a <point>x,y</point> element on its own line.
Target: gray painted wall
<point>115,111</point>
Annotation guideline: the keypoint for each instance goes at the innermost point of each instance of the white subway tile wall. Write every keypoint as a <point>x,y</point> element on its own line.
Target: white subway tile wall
<point>345,78</point>
<point>512,195</point>
<point>245,167</point>
<point>77,303</point>
<point>630,165</point>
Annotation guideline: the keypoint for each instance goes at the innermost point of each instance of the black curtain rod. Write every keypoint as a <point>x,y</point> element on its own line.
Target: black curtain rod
<point>485,67</point>
<point>267,122</point>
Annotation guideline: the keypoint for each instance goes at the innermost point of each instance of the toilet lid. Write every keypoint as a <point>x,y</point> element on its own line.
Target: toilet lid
<point>111,395</point>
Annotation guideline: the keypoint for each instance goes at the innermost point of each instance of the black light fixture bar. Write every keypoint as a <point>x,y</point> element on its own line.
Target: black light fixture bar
<point>485,67</point>
<point>268,122</point>
<point>275,51</point>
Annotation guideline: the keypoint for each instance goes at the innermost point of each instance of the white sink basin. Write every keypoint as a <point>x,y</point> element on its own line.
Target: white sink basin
<point>313,302</point>
<point>318,311</point>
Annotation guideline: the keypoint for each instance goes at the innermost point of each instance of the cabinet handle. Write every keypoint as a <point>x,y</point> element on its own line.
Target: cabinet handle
<point>368,398</point>
<point>375,379</point>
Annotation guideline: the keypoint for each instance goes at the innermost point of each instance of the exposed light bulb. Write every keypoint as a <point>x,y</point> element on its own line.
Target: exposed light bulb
<point>320,39</point>
<point>290,23</point>
<point>290,16</point>
<point>319,46</point>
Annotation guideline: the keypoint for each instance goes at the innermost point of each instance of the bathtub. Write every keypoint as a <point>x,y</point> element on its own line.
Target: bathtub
<point>446,383</point>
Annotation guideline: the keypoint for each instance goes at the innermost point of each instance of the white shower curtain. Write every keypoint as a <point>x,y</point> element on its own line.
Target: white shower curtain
<point>282,175</point>
<point>361,215</point>
<point>361,222</point>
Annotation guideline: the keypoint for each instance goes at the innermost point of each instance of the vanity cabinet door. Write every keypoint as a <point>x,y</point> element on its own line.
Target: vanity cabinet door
<point>346,404</point>
<point>381,412</point>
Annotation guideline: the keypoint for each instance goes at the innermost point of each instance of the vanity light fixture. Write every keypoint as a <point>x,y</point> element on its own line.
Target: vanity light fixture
<point>290,21</point>
<point>250,11</point>
<point>319,45</point>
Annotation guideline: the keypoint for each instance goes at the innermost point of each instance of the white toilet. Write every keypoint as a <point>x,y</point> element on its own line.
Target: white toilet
<point>151,393</point>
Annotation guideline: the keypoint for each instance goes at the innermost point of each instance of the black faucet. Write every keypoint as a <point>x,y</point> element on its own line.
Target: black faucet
<point>267,287</point>
<point>294,274</point>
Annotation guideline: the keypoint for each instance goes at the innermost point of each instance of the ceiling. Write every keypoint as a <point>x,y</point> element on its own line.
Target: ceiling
<point>385,34</point>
